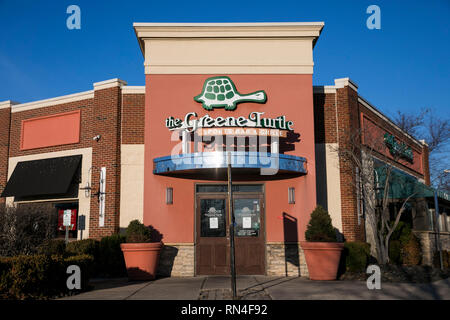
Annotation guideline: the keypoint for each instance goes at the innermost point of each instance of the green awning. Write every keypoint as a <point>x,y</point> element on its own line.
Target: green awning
<point>403,185</point>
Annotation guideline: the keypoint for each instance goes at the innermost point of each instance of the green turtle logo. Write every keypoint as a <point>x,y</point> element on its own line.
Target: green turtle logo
<point>219,92</point>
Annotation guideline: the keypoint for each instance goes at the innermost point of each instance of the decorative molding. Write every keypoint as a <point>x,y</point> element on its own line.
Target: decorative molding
<point>7,104</point>
<point>324,89</point>
<point>228,48</point>
<point>133,90</point>
<point>344,82</point>
<point>53,101</point>
<point>116,82</point>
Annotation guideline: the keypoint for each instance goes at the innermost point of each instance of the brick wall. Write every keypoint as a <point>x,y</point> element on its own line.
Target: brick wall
<point>325,118</point>
<point>426,165</point>
<point>5,117</point>
<point>348,124</point>
<point>387,127</point>
<point>106,153</point>
<point>117,118</point>
<point>133,118</point>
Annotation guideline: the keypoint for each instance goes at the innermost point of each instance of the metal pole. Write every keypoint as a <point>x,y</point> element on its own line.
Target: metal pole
<point>67,235</point>
<point>436,211</point>
<point>231,225</point>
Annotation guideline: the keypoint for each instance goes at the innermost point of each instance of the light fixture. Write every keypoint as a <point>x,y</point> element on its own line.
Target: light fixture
<point>169,195</point>
<point>291,195</point>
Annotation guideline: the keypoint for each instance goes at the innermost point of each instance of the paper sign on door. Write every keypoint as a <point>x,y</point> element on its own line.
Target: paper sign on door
<point>214,223</point>
<point>247,222</point>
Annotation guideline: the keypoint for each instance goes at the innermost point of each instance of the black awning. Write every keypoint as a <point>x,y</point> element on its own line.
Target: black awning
<point>42,177</point>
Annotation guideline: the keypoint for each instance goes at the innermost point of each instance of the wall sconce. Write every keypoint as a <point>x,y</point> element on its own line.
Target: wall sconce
<point>169,195</point>
<point>291,195</point>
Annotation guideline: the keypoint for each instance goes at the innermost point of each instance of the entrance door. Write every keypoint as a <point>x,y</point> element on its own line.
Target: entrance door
<point>249,236</point>
<point>212,252</point>
<point>213,238</point>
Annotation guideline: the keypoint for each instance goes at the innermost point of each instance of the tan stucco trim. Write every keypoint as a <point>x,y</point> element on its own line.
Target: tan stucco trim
<point>110,83</point>
<point>324,89</point>
<point>7,104</point>
<point>133,90</point>
<point>265,48</point>
<point>84,203</point>
<point>131,184</point>
<point>53,101</point>
<point>345,82</point>
<point>333,184</point>
<point>328,183</point>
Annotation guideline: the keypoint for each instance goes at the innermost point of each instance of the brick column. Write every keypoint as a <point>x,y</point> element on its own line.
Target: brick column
<point>348,124</point>
<point>426,163</point>
<point>106,153</point>
<point>5,125</point>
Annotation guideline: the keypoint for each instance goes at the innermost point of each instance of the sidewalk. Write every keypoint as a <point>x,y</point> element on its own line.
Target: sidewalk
<point>259,288</point>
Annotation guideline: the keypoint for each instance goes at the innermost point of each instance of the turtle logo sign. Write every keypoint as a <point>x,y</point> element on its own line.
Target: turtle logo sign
<point>220,92</point>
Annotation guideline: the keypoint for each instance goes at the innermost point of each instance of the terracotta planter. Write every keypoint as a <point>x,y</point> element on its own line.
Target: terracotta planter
<point>141,259</point>
<point>322,259</point>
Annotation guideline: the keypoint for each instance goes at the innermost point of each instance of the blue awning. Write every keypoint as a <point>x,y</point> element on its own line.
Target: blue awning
<point>246,165</point>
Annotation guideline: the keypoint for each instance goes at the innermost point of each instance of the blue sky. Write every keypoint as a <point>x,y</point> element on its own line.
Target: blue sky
<point>404,66</point>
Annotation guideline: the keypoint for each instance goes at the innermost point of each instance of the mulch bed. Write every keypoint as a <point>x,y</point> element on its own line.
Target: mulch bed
<point>399,273</point>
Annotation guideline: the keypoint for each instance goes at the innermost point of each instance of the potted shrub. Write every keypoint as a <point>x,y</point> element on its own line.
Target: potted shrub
<point>322,251</point>
<point>141,251</point>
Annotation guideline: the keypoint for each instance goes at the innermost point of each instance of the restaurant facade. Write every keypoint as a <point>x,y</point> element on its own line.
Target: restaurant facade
<point>215,94</point>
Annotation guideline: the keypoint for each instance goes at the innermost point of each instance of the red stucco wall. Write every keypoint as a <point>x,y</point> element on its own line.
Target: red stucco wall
<point>172,95</point>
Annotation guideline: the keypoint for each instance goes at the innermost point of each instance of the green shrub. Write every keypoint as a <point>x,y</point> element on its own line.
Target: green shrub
<point>5,277</point>
<point>395,252</point>
<point>110,260</point>
<point>87,246</point>
<point>52,246</point>
<point>320,228</point>
<point>402,232</point>
<point>411,253</point>
<point>137,232</point>
<point>40,276</point>
<point>404,246</point>
<point>356,255</point>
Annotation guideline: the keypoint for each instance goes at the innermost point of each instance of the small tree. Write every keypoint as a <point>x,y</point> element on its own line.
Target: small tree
<point>319,228</point>
<point>436,132</point>
<point>357,152</point>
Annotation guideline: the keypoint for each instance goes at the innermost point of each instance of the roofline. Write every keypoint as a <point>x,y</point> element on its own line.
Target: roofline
<point>225,24</point>
<point>340,83</point>
<point>386,118</point>
<point>226,30</point>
